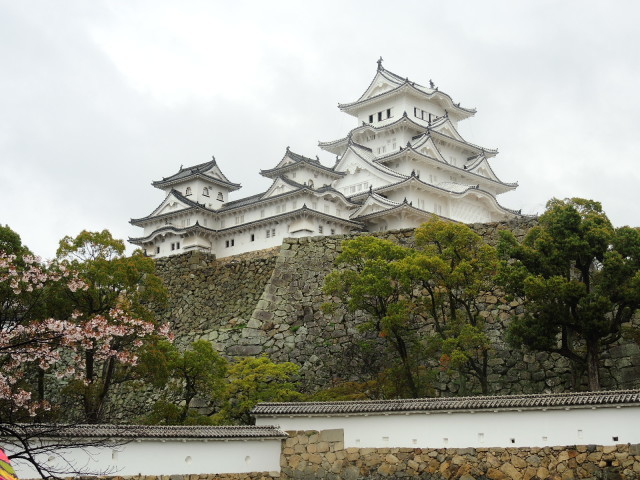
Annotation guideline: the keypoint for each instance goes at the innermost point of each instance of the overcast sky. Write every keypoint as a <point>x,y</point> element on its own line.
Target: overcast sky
<point>99,98</point>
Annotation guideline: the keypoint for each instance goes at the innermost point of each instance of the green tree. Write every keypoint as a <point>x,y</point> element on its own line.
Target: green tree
<point>199,371</point>
<point>371,277</point>
<point>406,291</point>
<point>454,268</point>
<point>118,297</point>
<point>579,280</point>
<point>11,243</point>
<point>252,380</point>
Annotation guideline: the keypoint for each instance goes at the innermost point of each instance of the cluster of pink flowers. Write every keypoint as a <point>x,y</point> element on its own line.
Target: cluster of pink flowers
<point>59,345</point>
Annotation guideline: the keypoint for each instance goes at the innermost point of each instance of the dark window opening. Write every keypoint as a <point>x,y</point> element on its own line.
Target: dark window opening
<point>253,237</point>
<point>379,116</point>
<point>388,113</point>
<point>370,118</point>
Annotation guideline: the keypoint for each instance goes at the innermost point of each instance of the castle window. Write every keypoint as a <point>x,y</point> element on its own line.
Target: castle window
<point>310,183</point>
<point>268,233</point>
<point>205,191</point>
<point>379,116</point>
<point>239,219</point>
<point>388,113</point>
<point>370,118</point>
<point>253,237</point>
<point>177,245</point>
<point>187,191</point>
<point>173,246</point>
<point>273,232</point>
<point>333,231</point>
<point>157,249</point>
<point>220,197</point>
<point>319,228</point>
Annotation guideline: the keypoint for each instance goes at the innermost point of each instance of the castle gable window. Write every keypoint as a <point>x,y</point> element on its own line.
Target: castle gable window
<point>205,191</point>
<point>220,197</point>
<point>187,191</point>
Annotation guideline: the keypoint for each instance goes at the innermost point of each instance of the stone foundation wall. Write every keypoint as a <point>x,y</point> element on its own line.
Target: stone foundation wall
<point>213,298</point>
<point>308,455</point>
<point>269,302</point>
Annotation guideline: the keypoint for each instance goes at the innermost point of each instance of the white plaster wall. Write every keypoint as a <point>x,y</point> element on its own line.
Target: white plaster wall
<point>535,428</point>
<point>395,103</point>
<point>171,457</point>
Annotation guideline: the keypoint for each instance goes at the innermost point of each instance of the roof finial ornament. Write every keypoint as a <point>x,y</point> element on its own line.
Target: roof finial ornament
<point>213,159</point>
<point>317,158</point>
<point>287,148</point>
<point>431,84</point>
<point>370,188</point>
<point>380,64</point>
<point>181,166</point>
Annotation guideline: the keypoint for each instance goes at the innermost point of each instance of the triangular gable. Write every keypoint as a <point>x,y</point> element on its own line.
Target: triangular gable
<point>373,204</point>
<point>286,160</point>
<point>427,147</point>
<point>447,128</point>
<point>171,204</point>
<point>353,160</point>
<point>380,84</point>
<point>481,167</point>
<point>279,187</point>
<point>216,173</point>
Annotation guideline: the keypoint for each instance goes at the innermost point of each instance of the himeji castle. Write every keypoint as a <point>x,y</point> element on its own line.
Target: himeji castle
<point>403,163</point>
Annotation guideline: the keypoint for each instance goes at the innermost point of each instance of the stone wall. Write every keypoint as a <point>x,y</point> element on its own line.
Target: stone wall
<point>310,455</point>
<point>269,302</point>
<point>213,299</point>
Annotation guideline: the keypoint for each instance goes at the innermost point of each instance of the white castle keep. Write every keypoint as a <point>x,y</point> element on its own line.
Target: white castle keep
<point>403,163</point>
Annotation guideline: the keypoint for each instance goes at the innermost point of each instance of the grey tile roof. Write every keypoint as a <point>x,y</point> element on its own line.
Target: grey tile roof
<point>151,431</point>
<point>196,170</point>
<point>504,402</point>
<point>405,82</point>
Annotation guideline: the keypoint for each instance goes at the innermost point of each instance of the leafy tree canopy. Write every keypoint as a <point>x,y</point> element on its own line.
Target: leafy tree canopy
<point>407,291</point>
<point>253,380</point>
<point>579,279</point>
<point>199,371</point>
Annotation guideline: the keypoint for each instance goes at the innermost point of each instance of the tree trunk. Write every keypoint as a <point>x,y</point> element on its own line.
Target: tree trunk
<point>593,364</point>
<point>404,357</point>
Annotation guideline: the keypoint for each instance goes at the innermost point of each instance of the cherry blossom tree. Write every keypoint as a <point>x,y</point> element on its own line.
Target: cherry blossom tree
<point>81,348</point>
